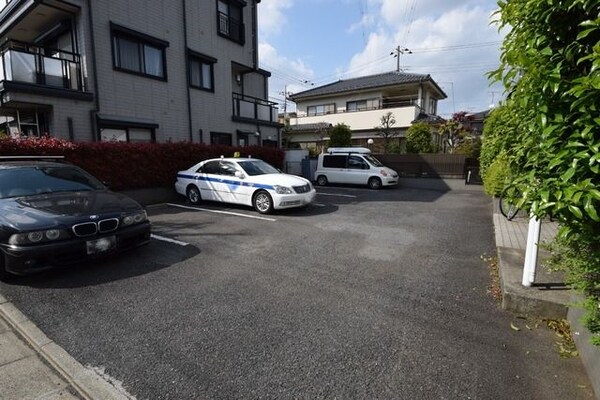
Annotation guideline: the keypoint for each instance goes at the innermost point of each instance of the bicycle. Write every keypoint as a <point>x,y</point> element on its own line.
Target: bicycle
<point>508,209</point>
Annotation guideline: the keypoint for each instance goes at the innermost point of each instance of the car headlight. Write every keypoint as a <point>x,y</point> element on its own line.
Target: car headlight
<point>135,218</point>
<point>282,190</point>
<point>48,235</point>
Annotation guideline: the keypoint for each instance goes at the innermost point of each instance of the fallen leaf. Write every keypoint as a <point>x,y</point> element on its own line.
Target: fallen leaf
<point>514,328</point>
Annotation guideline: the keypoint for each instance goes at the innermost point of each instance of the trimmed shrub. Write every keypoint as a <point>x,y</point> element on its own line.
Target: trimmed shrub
<point>497,176</point>
<point>418,138</point>
<point>134,165</point>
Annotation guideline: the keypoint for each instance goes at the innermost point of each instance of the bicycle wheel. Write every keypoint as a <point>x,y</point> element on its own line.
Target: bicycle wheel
<point>508,209</point>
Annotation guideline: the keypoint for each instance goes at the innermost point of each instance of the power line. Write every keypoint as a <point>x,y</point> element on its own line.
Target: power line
<point>456,47</point>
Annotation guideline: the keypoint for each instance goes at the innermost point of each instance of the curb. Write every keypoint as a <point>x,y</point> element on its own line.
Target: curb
<point>541,303</point>
<point>86,382</point>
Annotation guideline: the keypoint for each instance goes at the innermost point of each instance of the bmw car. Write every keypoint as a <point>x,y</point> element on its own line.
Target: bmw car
<point>246,181</point>
<point>54,213</point>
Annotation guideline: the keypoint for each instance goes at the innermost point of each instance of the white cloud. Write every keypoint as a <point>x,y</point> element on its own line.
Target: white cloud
<point>272,17</point>
<point>447,44</point>
<point>279,82</point>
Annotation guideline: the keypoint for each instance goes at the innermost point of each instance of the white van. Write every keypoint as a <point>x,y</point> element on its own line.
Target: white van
<point>353,165</point>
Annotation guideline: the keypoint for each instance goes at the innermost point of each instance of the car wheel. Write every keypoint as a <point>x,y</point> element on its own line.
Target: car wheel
<point>374,183</point>
<point>193,194</point>
<point>263,203</point>
<point>322,180</point>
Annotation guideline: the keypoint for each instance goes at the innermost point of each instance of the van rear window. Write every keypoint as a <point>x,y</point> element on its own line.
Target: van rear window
<point>334,161</point>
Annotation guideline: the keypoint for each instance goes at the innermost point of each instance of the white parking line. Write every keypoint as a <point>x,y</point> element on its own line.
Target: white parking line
<point>223,212</point>
<point>166,239</point>
<point>338,195</point>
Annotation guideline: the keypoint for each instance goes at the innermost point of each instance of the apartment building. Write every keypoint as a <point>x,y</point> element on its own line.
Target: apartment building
<point>134,70</point>
<point>360,103</point>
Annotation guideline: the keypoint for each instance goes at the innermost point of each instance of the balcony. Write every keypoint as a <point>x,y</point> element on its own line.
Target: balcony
<point>252,109</point>
<point>367,118</point>
<point>27,66</point>
<point>230,28</point>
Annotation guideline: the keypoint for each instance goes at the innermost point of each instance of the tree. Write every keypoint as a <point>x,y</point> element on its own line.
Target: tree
<point>386,130</point>
<point>340,136</point>
<point>456,137</point>
<point>549,66</point>
<point>418,138</point>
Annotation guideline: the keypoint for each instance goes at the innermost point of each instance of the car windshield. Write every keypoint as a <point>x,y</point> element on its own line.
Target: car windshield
<point>257,167</point>
<point>28,181</point>
<point>375,162</point>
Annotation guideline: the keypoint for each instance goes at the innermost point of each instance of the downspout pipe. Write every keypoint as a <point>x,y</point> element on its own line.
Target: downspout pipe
<point>189,99</point>
<point>255,33</point>
<point>94,112</point>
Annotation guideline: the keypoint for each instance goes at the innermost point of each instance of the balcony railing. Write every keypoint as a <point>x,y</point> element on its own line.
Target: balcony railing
<point>21,62</point>
<point>385,103</point>
<point>230,27</point>
<point>249,107</point>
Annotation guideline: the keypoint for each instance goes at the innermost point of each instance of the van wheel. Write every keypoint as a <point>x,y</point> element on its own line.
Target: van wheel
<point>322,180</point>
<point>374,183</point>
<point>263,203</point>
<point>193,194</point>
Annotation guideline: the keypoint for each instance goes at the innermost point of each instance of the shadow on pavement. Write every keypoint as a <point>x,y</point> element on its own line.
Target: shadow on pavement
<point>143,260</point>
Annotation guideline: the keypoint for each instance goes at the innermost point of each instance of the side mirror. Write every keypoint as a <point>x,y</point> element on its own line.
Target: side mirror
<point>240,174</point>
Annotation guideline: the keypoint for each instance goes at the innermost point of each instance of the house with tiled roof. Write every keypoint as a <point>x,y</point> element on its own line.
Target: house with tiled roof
<point>360,103</point>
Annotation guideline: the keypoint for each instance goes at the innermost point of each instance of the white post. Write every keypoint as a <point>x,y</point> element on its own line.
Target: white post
<point>531,251</point>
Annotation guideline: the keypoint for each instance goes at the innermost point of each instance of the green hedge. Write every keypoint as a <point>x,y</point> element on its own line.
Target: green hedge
<point>134,165</point>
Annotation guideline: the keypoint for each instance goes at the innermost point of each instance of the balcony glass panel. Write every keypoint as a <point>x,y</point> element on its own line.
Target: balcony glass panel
<point>246,109</point>
<point>73,76</point>
<point>22,67</point>
<point>264,112</point>
<point>29,64</point>
<point>254,108</point>
<point>53,72</point>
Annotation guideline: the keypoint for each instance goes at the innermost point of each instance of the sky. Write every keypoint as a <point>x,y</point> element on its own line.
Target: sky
<point>309,43</point>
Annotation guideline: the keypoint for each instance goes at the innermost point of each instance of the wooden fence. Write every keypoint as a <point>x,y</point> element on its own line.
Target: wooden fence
<point>429,165</point>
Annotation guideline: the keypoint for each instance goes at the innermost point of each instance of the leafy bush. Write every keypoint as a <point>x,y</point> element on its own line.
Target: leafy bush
<point>497,176</point>
<point>340,136</point>
<point>418,138</point>
<point>470,146</point>
<point>550,65</point>
<point>133,165</point>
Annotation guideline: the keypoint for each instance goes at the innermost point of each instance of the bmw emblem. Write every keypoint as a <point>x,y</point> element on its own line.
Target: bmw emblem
<point>94,217</point>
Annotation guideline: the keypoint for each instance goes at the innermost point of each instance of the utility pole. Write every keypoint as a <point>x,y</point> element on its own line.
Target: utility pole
<point>396,53</point>
<point>285,94</point>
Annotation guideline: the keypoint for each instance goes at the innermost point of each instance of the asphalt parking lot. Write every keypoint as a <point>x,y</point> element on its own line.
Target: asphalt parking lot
<point>364,294</point>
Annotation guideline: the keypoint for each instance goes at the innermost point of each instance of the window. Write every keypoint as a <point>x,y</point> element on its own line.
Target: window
<point>362,105</point>
<point>201,71</point>
<point>334,161</point>
<point>433,106</point>
<point>211,167</point>
<point>356,162</point>
<point>242,139</point>
<point>220,138</point>
<point>321,109</point>
<point>230,20</point>
<point>138,53</point>
<point>127,134</point>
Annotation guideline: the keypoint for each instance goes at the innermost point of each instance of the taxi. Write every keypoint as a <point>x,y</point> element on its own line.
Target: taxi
<point>246,181</point>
